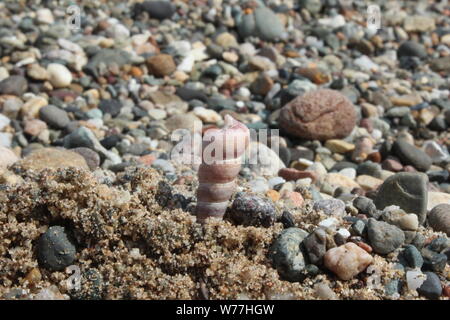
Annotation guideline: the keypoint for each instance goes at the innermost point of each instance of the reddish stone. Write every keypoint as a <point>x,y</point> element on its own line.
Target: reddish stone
<point>375,157</point>
<point>295,197</point>
<point>446,291</point>
<point>290,174</point>
<point>319,115</point>
<point>392,165</point>
<point>364,246</point>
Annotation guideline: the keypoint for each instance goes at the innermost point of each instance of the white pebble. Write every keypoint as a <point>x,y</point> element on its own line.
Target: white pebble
<point>275,181</point>
<point>415,279</point>
<point>329,223</point>
<point>45,16</point>
<point>59,75</point>
<point>348,172</point>
<point>344,233</point>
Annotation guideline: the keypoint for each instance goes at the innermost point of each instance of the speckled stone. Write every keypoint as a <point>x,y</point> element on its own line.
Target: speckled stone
<point>55,250</point>
<point>286,254</point>
<point>319,115</point>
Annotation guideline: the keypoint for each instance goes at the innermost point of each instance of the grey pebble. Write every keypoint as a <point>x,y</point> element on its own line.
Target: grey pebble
<point>55,250</point>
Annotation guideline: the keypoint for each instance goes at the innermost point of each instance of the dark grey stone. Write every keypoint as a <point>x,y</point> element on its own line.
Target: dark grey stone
<point>412,257</point>
<point>106,56</point>
<point>431,288</point>
<point>407,190</point>
<point>54,116</point>
<point>251,210</point>
<point>411,49</point>
<point>55,250</point>
<point>316,246</point>
<point>156,9</point>
<point>287,256</point>
<point>411,155</point>
<point>370,168</point>
<point>384,237</point>
<point>14,85</point>
<point>111,106</point>
<point>367,207</point>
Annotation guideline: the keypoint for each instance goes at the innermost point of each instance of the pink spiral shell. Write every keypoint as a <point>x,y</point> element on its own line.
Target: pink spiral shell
<point>221,163</point>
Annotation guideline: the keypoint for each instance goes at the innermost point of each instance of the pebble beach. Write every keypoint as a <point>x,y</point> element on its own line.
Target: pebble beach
<point>344,188</point>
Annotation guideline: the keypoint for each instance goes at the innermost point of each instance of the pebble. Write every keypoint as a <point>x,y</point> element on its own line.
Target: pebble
<point>156,9</point>
<point>433,261</point>
<point>110,106</point>
<point>406,190</point>
<point>410,155</point>
<point>338,180</point>
<point>287,256</point>
<point>34,127</point>
<point>368,183</point>
<point>366,206</point>
<point>83,137</point>
<point>255,24</point>
<point>419,23</point>
<point>250,210</point>
<point>14,85</point>
<point>439,218</point>
<point>339,146</point>
<point>55,250</point>
<point>44,158</point>
<point>323,291</point>
<point>263,161</point>
<point>293,175</point>
<point>59,75</point>
<point>347,260</point>
<point>415,279</point>
<point>161,65</point>
<point>412,257</point>
<point>436,198</point>
<point>258,185</point>
<point>91,157</point>
<point>384,238</point>
<point>411,49</point>
<point>331,207</point>
<point>401,219</point>
<point>319,115</point>
<point>54,116</point>
<point>315,245</point>
<point>435,151</point>
<point>7,157</point>
<point>431,288</point>
<point>287,220</point>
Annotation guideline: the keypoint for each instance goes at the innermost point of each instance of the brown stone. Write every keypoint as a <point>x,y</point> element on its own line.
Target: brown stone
<point>262,84</point>
<point>161,65</point>
<point>315,75</point>
<point>290,174</point>
<point>45,158</point>
<point>318,115</point>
